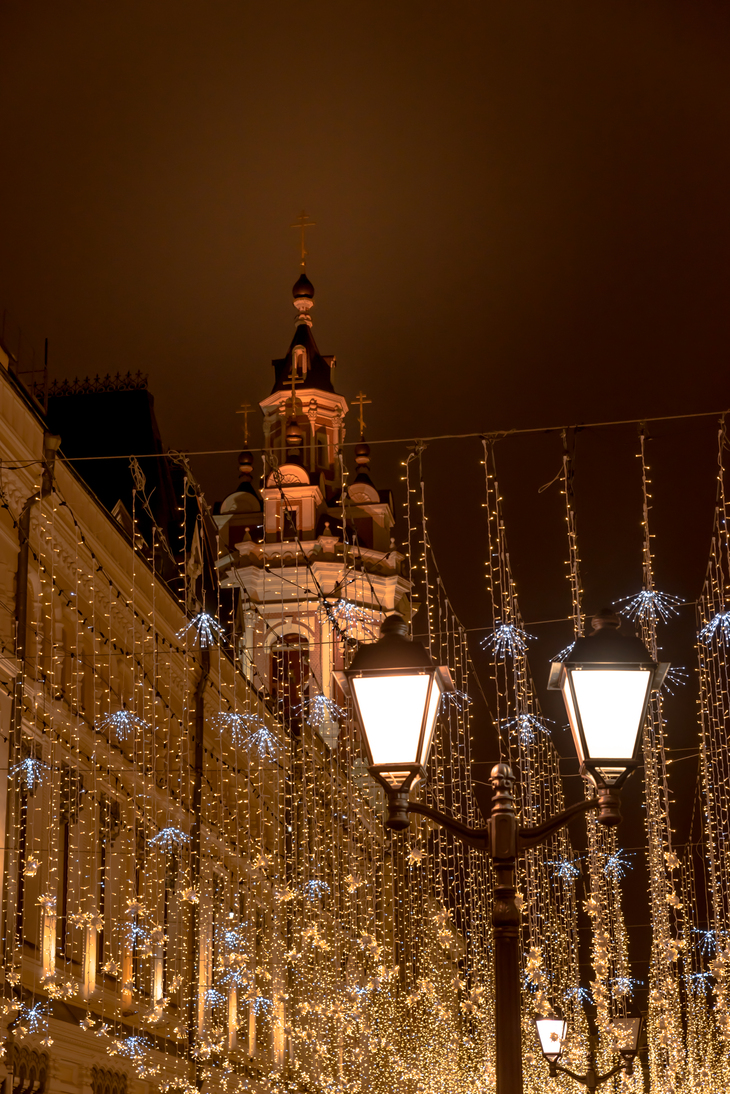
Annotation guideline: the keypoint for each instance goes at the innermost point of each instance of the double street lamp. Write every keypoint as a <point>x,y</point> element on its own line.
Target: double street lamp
<point>606,682</point>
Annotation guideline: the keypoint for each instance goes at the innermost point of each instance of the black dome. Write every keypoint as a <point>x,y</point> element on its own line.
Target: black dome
<point>303,287</point>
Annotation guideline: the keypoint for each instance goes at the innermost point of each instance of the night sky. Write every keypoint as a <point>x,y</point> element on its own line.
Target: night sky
<point>522,220</point>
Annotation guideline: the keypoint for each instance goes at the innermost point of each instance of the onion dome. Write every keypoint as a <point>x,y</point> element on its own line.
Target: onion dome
<point>303,287</point>
<point>303,296</point>
<point>294,434</point>
<point>245,465</point>
<point>362,455</point>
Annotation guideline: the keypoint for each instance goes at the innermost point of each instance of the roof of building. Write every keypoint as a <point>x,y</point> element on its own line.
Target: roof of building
<point>319,367</point>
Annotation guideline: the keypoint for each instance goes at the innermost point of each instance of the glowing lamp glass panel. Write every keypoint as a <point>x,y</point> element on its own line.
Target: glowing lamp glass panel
<point>628,1032</point>
<point>433,709</point>
<point>611,704</point>
<point>552,1033</point>
<point>391,711</point>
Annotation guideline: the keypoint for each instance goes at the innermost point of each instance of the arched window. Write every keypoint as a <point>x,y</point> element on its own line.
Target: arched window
<point>290,675</point>
<point>299,363</point>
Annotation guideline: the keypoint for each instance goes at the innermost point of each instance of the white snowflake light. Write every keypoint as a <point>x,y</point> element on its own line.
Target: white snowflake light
<point>263,742</point>
<point>565,868</point>
<point>528,727</point>
<point>207,630</point>
<point>31,771</point>
<point>124,723</point>
<point>262,1005</point>
<point>35,1018</point>
<point>616,866</point>
<point>458,699</point>
<point>506,638</point>
<point>706,941</point>
<point>315,888</point>
<point>717,628</point>
<point>650,606</point>
<point>624,985</point>
<point>319,708</point>
<point>676,677</point>
<point>238,723</point>
<point>169,840</point>
<point>349,614</point>
<point>564,653</point>
<point>134,1046</point>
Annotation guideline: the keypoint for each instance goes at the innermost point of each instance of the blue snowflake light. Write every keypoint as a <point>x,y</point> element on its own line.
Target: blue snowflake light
<point>233,977</point>
<point>699,982</point>
<point>319,708</point>
<point>349,614</point>
<point>137,934</point>
<point>706,941</point>
<point>35,1018</point>
<point>564,653</point>
<point>169,840</point>
<point>134,1047</point>
<point>583,995</point>
<point>717,628</point>
<point>207,630</point>
<point>124,723</point>
<point>528,727</point>
<point>214,998</point>
<point>239,725</point>
<point>624,985</point>
<point>31,772</point>
<point>616,866</point>
<point>262,1005</point>
<point>676,677</point>
<point>458,699</point>
<point>565,868</point>
<point>506,638</point>
<point>650,606</point>
<point>315,888</point>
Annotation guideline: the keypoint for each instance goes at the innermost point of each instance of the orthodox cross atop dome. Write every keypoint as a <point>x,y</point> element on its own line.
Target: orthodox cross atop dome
<point>246,409</point>
<point>302,223</point>
<point>360,401</point>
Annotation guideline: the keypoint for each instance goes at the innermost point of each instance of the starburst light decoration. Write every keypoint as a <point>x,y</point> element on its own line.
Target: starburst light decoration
<point>31,772</point>
<point>35,1017</point>
<point>564,653</point>
<point>717,629</point>
<point>676,677</point>
<point>507,638</point>
<point>649,606</point>
<point>134,1046</point>
<point>706,940</point>
<point>566,869</point>
<point>240,724</point>
<point>320,708</point>
<point>315,888</point>
<point>616,866</point>
<point>124,723</point>
<point>207,630</point>
<point>349,614</point>
<point>528,727</point>
<point>170,840</point>
<point>263,742</point>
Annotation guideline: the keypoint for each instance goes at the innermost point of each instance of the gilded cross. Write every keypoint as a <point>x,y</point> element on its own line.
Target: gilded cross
<point>303,222</point>
<point>361,401</point>
<point>246,409</point>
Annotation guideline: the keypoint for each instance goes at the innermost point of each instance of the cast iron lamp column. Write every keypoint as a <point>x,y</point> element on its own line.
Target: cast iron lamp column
<point>396,689</point>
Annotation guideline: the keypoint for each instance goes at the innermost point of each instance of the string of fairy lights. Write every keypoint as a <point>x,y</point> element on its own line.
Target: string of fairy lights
<point>196,861</point>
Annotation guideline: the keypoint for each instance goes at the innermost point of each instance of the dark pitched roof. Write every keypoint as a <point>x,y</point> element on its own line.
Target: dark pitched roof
<point>319,372</point>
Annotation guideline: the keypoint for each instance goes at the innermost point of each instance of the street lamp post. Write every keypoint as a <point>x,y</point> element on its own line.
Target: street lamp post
<point>552,1033</point>
<point>396,689</point>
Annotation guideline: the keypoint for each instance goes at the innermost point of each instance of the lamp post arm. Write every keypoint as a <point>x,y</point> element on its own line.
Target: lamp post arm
<point>529,837</point>
<point>592,1080</point>
<point>476,837</point>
